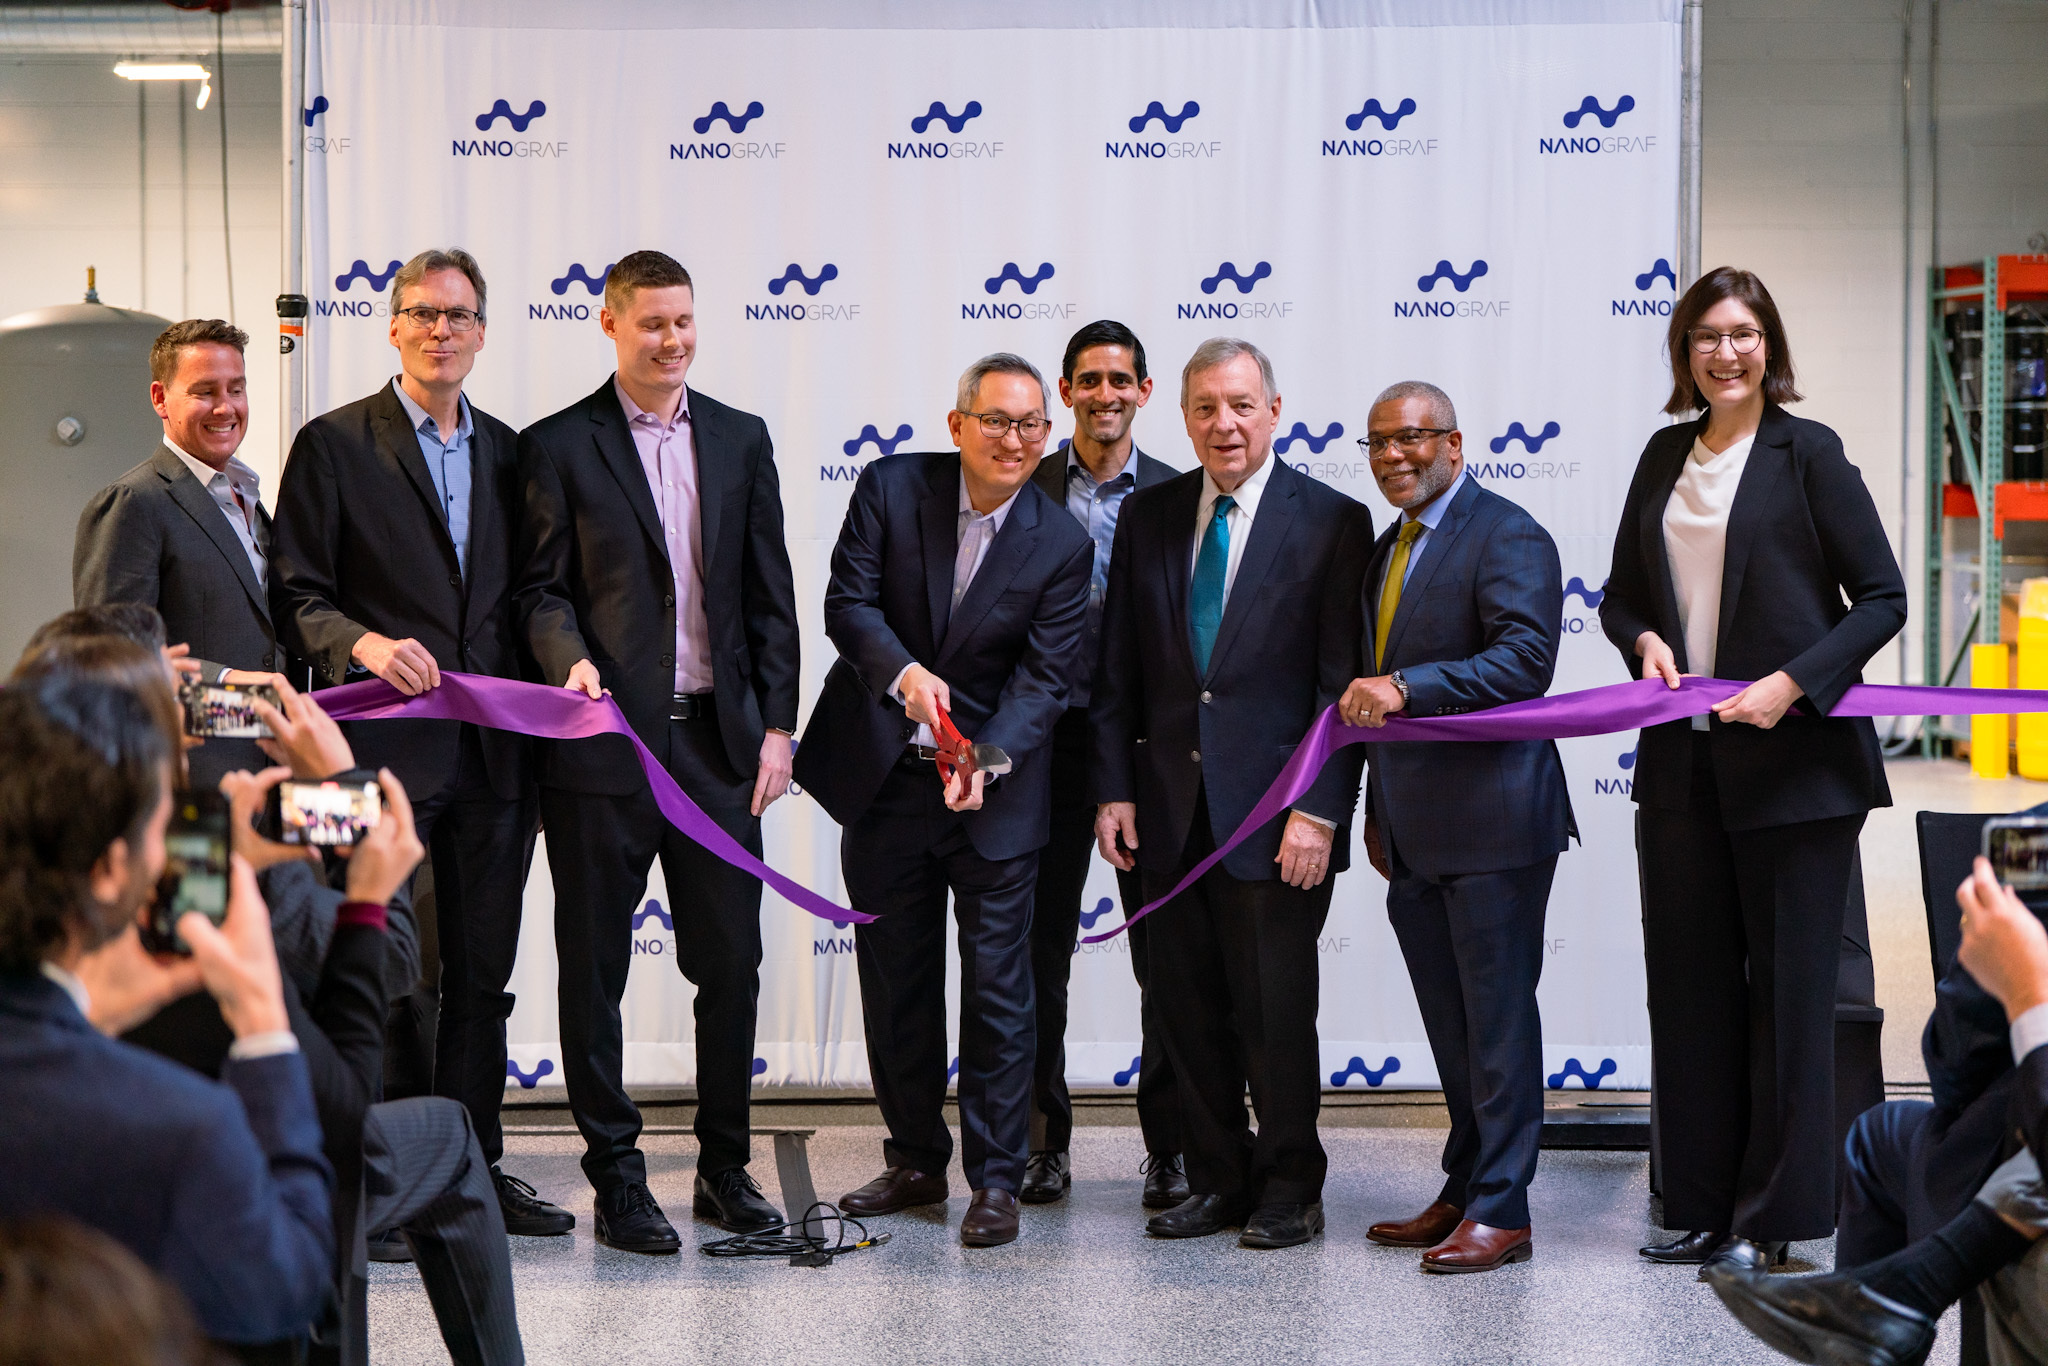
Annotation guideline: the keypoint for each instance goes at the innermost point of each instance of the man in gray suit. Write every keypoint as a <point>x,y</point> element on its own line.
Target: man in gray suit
<point>185,531</point>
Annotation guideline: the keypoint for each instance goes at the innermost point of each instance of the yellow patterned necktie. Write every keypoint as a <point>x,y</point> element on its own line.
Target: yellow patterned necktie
<point>1390,591</point>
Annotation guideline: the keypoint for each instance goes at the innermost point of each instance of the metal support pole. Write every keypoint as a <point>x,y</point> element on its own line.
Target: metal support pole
<point>1991,458</point>
<point>291,303</point>
<point>1689,265</point>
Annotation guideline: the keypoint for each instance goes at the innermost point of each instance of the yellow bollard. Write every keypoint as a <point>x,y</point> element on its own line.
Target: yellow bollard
<point>2033,728</point>
<point>1990,667</point>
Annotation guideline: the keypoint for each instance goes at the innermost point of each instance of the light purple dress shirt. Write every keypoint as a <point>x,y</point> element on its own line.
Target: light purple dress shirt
<point>668,456</point>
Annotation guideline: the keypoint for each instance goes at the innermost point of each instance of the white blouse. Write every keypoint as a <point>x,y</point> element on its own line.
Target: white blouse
<point>1695,540</point>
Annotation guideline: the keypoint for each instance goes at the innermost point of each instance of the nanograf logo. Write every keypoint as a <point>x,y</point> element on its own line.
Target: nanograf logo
<point>1591,1080</point>
<point>1590,105</point>
<point>652,911</point>
<point>528,1080</point>
<point>795,275</point>
<point>1372,110</point>
<point>737,122</point>
<point>576,274</point>
<point>1089,919</point>
<point>1300,432</point>
<point>938,113</point>
<point>503,110</point>
<point>760,1067</point>
<point>1516,432</point>
<point>1244,283</point>
<point>1628,761</point>
<point>1027,283</point>
<point>1170,122</point>
<point>1459,280</point>
<point>1576,588</point>
<point>1125,1076</point>
<point>1373,1076</point>
<point>1650,276</point>
<point>360,270</point>
<point>314,110</point>
<point>887,446</point>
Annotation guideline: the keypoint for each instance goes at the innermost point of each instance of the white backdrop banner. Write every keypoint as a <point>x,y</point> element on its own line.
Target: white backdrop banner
<point>1487,200</point>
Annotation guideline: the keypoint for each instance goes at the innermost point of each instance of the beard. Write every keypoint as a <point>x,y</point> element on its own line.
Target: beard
<point>104,921</point>
<point>1429,482</point>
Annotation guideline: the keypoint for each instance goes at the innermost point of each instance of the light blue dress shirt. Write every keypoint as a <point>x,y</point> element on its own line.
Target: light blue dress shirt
<point>1095,506</point>
<point>448,464</point>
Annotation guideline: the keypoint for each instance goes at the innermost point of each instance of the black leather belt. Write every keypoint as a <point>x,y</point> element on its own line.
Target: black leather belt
<point>917,756</point>
<point>691,706</point>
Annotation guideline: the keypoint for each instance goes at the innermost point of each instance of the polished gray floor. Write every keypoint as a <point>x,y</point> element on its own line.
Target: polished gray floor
<point>1084,1284</point>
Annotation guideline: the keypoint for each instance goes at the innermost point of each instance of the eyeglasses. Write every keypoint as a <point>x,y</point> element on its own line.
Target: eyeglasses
<point>459,319</point>
<point>1707,341</point>
<point>1408,440</point>
<point>996,426</point>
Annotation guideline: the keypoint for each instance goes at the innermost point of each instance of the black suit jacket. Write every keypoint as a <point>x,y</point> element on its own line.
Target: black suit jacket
<point>595,583</point>
<point>1161,731</point>
<point>363,545</point>
<point>1478,626</point>
<point>1802,535</point>
<point>1007,654</point>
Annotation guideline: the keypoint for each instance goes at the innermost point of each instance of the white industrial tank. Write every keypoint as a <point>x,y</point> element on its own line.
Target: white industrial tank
<point>74,416</point>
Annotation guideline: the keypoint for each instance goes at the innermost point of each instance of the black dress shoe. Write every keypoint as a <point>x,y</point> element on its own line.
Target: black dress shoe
<point>1828,1318</point>
<point>629,1219</point>
<point>1198,1216</point>
<point>526,1214</point>
<point>895,1189</point>
<point>1166,1180</point>
<point>1279,1224</point>
<point>389,1246</point>
<point>734,1201</point>
<point>1047,1177</point>
<point>1691,1250</point>
<point>1737,1253</point>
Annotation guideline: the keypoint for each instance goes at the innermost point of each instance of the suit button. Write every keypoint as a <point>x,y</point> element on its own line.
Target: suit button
<point>668,661</point>
<point>668,601</point>
<point>266,661</point>
<point>1205,697</point>
<point>455,580</point>
<point>1196,755</point>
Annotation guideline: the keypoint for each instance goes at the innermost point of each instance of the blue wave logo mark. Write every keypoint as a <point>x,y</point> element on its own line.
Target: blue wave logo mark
<point>1357,1068</point>
<point>760,1066</point>
<point>1171,122</point>
<point>795,275</point>
<point>501,110</point>
<point>938,113</point>
<point>887,446</point>
<point>1244,283</point>
<point>1028,283</point>
<point>1127,1075</point>
<point>1589,105</point>
<point>652,911</point>
<point>576,274</point>
<point>1089,919</point>
<point>1300,432</point>
<point>528,1080</point>
<point>953,1068</point>
<point>737,122</point>
<point>1661,268</point>
<point>1591,1079</point>
<point>1516,432</point>
<point>360,270</point>
<point>1627,762</point>
<point>314,110</point>
<point>1372,110</point>
<point>841,924</point>
<point>1590,596</point>
<point>1459,281</point>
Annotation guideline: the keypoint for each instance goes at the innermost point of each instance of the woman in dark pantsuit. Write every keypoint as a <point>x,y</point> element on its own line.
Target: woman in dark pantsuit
<point>1748,549</point>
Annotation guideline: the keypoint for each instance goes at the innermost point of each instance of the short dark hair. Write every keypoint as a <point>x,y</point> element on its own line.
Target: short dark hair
<point>136,621</point>
<point>433,259</point>
<point>82,764</point>
<point>72,1296</point>
<point>175,340</point>
<point>1726,282</point>
<point>1104,332</point>
<point>638,270</point>
<point>997,363</point>
<point>110,659</point>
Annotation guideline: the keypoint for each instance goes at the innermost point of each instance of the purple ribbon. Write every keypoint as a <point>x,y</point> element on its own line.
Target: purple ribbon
<point>1594,711</point>
<point>566,714</point>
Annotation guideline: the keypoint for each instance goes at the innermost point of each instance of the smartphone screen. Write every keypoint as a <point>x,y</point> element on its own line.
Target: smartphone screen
<point>223,710</point>
<point>335,812</point>
<point>195,876</point>
<point>2017,847</point>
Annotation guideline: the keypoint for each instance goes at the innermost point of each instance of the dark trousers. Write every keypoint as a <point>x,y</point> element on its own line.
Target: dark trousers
<point>599,850</point>
<point>1474,947</point>
<point>901,858</point>
<point>481,847</point>
<point>1055,922</point>
<point>1742,934</point>
<point>1235,976</point>
<point>1882,1206</point>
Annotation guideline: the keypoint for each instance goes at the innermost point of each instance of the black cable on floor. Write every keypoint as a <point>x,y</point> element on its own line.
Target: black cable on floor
<point>802,1249</point>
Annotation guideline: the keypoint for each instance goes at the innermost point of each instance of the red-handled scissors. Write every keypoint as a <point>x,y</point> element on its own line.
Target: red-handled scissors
<point>957,752</point>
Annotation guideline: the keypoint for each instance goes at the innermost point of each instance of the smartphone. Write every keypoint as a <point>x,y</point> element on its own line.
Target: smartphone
<point>2017,847</point>
<point>195,876</point>
<point>223,710</point>
<point>336,811</point>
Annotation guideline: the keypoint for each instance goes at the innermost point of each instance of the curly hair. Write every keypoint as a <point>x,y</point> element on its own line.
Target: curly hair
<point>82,764</point>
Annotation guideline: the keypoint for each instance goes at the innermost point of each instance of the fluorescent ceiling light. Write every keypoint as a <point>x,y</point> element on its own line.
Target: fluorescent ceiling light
<point>162,71</point>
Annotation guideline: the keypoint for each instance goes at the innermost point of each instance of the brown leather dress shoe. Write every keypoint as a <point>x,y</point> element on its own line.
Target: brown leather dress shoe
<point>1426,1229</point>
<point>991,1219</point>
<point>895,1189</point>
<point>1476,1247</point>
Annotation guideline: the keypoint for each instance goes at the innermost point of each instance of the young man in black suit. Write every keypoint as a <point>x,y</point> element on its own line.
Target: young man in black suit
<point>959,586</point>
<point>393,558</point>
<point>1103,379</point>
<point>654,566</point>
<point>1227,591</point>
<point>185,531</point>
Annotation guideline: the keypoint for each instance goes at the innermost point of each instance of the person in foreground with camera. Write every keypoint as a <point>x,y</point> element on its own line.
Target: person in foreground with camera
<point>1885,1312</point>
<point>72,1296</point>
<point>218,1186</point>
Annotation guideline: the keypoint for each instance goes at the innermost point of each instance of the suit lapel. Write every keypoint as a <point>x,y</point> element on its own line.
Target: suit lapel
<point>938,520</point>
<point>1760,473</point>
<point>622,458</point>
<point>1381,550</point>
<point>1433,553</point>
<point>192,496</point>
<point>1006,555</point>
<point>713,473</point>
<point>1051,475</point>
<point>1177,545</point>
<point>399,444</point>
<point>1269,530</point>
<point>1149,471</point>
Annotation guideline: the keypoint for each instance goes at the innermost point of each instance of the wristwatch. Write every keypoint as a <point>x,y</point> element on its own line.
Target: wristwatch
<point>1400,686</point>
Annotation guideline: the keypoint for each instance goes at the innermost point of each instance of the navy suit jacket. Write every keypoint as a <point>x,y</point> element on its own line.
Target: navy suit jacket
<point>1478,626</point>
<point>1161,731</point>
<point>218,1186</point>
<point>1008,653</point>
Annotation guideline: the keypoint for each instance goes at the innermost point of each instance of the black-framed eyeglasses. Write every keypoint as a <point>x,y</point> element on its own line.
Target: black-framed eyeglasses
<point>1408,440</point>
<point>996,426</point>
<point>459,319</point>
<point>1706,341</point>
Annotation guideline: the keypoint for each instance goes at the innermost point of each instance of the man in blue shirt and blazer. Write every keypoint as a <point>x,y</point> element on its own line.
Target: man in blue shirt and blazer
<point>1463,609</point>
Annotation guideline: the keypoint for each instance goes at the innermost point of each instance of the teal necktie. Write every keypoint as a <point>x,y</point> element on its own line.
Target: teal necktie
<point>1205,605</point>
